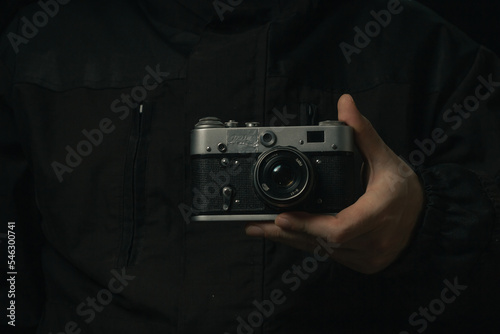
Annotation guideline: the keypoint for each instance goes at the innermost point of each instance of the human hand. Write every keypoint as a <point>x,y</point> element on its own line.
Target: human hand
<point>371,233</point>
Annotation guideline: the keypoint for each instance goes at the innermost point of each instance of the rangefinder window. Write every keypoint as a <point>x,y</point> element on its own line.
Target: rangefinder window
<point>315,136</point>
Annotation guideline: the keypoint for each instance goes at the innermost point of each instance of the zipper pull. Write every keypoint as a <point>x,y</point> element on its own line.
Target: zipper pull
<point>308,114</point>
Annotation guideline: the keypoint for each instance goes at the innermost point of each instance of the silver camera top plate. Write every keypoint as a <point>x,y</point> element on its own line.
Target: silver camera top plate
<point>331,136</point>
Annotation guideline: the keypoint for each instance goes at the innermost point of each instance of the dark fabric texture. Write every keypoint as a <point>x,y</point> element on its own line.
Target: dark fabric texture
<point>96,111</point>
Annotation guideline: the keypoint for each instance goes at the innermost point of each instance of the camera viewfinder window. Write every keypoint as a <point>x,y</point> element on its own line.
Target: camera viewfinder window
<point>315,136</point>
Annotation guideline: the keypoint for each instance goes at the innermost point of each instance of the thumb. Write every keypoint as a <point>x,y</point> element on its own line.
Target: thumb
<point>372,147</point>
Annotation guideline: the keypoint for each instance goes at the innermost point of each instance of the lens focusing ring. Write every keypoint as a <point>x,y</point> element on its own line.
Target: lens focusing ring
<point>283,177</point>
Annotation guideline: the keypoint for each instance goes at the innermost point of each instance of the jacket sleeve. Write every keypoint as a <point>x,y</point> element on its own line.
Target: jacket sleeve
<point>21,286</point>
<point>461,179</point>
<point>458,237</point>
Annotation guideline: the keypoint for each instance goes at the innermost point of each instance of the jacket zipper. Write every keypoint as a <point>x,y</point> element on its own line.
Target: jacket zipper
<point>308,114</point>
<point>134,184</point>
<point>133,188</point>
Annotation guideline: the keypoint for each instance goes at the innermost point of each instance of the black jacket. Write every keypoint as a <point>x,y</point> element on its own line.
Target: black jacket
<point>105,175</point>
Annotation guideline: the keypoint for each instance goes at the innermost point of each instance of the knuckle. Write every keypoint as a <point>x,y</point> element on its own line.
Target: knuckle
<point>369,129</point>
<point>381,246</point>
<point>336,237</point>
<point>299,227</point>
<point>274,233</point>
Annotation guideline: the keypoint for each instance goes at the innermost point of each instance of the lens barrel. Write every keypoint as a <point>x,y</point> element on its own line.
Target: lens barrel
<point>283,177</point>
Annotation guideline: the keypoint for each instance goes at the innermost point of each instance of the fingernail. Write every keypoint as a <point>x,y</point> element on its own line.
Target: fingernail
<point>254,231</point>
<point>283,222</point>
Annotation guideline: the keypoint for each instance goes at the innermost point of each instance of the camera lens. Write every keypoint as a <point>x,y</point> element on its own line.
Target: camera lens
<point>283,177</point>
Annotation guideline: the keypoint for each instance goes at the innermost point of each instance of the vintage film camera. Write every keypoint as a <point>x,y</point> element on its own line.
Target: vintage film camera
<point>253,173</point>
